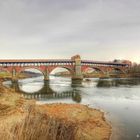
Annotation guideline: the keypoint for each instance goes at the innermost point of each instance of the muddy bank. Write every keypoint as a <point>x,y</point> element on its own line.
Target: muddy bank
<point>22,119</point>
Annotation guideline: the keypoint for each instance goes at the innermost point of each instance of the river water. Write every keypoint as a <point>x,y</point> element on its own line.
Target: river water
<point>118,98</point>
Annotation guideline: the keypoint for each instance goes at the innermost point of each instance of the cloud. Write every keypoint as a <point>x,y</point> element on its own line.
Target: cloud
<point>96,29</point>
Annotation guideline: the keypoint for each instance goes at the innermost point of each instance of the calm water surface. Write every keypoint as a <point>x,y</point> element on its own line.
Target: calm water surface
<point>119,98</point>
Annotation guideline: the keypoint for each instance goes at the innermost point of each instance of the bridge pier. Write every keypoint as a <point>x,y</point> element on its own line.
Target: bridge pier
<point>77,76</point>
<point>75,82</point>
<point>14,76</point>
<point>77,79</point>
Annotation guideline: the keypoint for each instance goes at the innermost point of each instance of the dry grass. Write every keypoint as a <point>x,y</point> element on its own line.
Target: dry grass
<point>38,126</point>
<point>24,120</point>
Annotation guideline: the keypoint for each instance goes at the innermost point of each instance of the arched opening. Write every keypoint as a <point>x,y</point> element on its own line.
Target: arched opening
<point>117,71</point>
<point>60,78</point>
<point>61,72</point>
<point>30,73</point>
<point>5,74</point>
<point>31,80</point>
<point>92,72</point>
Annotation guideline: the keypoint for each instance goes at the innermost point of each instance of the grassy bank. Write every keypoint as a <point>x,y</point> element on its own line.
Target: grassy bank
<point>22,119</point>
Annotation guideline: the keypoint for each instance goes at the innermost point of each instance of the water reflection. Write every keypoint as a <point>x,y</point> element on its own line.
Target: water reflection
<point>118,82</point>
<point>44,90</point>
<point>62,88</point>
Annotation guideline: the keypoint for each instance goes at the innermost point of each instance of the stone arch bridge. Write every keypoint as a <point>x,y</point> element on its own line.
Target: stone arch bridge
<point>76,66</point>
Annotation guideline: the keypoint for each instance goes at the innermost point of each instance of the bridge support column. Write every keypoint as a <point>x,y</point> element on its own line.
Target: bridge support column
<point>46,75</point>
<point>77,69</point>
<point>14,76</point>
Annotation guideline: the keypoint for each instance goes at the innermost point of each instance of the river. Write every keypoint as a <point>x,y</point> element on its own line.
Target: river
<point>118,98</point>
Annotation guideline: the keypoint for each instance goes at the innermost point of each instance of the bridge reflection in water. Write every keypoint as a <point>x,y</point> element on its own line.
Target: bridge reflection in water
<point>118,82</point>
<point>47,93</point>
<point>74,91</point>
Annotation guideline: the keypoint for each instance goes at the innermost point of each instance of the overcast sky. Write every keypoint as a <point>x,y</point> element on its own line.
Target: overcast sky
<point>95,29</point>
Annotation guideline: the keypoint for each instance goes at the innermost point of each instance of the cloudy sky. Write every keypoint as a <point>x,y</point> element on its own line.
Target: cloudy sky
<point>95,29</point>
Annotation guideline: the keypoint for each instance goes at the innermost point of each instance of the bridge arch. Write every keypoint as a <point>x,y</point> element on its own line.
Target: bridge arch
<point>70,70</point>
<point>118,70</point>
<point>93,68</point>
<point>98,69</point>
<point>38,69</point>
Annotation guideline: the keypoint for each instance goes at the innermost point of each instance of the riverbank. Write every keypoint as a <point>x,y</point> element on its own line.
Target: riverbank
<point>23,119</point>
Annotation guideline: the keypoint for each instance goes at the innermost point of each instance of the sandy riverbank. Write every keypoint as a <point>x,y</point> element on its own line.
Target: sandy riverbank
<point>22,119</point>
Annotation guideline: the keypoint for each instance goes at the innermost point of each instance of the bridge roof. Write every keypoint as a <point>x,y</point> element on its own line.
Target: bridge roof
<point>33,60</point>
<point>57,61</point>
<point>103,62</point>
